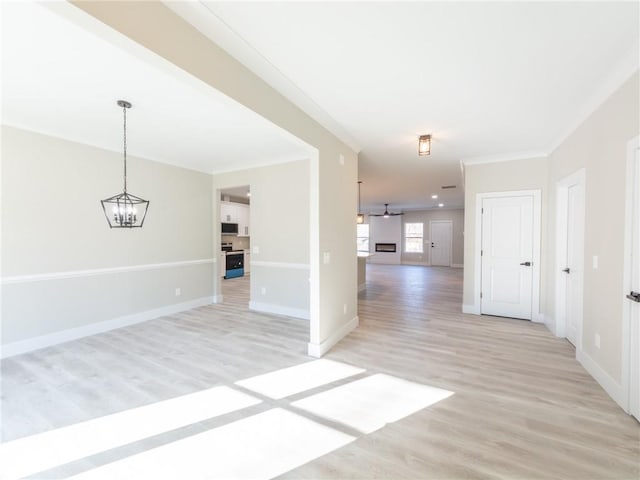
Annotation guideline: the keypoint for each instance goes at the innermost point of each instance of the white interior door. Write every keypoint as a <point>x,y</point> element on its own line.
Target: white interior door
<point>507,256</point>
<point>573,273</point>
<point>633,295</point>
<point>440,232</point>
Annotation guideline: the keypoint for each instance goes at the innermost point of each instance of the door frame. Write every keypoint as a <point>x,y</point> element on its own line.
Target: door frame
<point>450,222</point>
<point>536,315</point>
<point>625,400</point>
<point>562,214</point>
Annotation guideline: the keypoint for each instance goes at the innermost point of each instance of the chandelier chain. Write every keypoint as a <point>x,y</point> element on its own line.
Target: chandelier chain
<point>124,109</point>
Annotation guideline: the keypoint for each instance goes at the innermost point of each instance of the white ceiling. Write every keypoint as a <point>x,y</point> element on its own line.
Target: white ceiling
<point>63,79</point>
<point>489,80</point>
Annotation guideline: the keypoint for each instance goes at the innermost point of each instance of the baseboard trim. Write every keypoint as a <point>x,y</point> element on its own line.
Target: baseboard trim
<point>457,265</point>
<point>55,338</point>
<point>319,349</point>
<point>218,298</point>
<point>538,318</point>
<point>472,309</point>
<point>420,264</point>
<point>279,310</point>
<point>613,388</point>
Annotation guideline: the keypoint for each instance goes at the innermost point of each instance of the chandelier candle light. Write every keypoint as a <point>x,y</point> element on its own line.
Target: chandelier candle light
<point>124,210</point>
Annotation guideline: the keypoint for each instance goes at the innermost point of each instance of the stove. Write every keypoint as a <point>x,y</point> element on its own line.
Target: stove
<point>234,266</point>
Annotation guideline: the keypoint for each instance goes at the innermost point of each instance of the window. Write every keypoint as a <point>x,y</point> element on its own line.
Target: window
<point>363,237</point>
<point>413,237</point>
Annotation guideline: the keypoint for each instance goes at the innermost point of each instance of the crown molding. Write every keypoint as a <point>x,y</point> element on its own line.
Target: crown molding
<point>505,157</point>
<point>204,19</point>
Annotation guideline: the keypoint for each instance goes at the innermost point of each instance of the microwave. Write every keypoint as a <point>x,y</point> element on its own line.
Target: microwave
<point>229,228</point>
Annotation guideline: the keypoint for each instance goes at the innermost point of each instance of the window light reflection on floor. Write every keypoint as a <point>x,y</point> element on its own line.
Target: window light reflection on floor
<point>258,447</point>
<point>299,378</point>
<point>370,403</point>
<point>43,451</point>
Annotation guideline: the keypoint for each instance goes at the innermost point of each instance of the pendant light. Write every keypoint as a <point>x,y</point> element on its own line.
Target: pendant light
<point>424,145</point>
<point>125,210</point>
<point>360,216</point>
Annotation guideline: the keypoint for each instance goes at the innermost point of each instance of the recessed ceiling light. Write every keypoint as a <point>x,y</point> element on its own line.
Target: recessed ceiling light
<point>441,204</point>
<point>434,196</point>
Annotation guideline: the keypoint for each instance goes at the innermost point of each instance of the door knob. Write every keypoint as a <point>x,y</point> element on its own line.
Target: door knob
<point>566,270</point>
<point>526,264</point>
<point>635,296</point>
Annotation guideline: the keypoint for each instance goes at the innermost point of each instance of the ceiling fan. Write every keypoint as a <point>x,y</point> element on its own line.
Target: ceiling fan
<point>386,213</point>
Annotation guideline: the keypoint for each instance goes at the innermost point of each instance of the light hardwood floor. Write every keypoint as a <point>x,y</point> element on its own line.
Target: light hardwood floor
<point>523,408</point>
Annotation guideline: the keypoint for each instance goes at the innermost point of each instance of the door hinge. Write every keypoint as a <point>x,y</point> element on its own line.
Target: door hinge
<point>481,252</point>
<point>480,294</point>
<point>481,210</point>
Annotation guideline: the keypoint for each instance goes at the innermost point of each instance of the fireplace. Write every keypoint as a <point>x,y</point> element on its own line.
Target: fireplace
<point>386,247</point>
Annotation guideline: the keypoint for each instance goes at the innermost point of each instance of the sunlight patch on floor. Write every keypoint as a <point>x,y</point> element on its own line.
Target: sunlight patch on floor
<point>370,403</point>
<point>299,378</point>
<point>36,453</point>
<point>258,447</point>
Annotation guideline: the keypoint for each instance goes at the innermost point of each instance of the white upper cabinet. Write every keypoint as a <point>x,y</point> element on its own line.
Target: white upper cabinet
<point>231,212</point>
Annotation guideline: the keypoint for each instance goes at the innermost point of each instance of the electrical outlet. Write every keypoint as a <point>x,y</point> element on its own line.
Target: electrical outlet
<point>341,159</point>
<point>263,290</point>
<point>344,309</point>
<point>595,262</point>
<point>178,292</point>
<point>596,340</point>
<point>255,249</point>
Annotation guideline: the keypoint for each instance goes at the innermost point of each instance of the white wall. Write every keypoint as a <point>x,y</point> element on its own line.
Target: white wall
<point>385,230</point>
<point>425,216</point>
<point>599,146</point>
<point>63,267</point>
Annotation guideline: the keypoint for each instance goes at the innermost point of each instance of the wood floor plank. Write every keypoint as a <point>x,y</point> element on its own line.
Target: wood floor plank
<point>522,408</point>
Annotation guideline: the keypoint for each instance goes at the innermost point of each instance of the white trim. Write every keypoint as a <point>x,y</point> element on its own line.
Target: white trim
<point>505,157</point>
<point>537,220</point>
<point>577,178</point>
<point>279,310</point>
<point>419,264</point>
<point>42,277</point>
<point>632,146</point>
<point>471,309</point>
<point>218,298</point>
<point>457,265</point>
<point>292,266</point>
<point>613,388</point>
<point>42,341</point>
<point>319,349</point>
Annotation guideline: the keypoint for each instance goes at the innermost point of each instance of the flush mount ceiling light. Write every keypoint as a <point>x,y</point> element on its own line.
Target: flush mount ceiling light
<point>386,213</point>
<point>125,210</point>
<point>360,216</point>
<point>424,145</point>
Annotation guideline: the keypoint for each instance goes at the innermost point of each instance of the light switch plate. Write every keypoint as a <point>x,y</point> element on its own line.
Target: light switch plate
<point>326,257</point>
<point>595,262</point>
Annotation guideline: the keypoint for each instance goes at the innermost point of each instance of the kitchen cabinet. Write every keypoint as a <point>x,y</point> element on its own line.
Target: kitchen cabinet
<point>231,212</point>
<point>243,220</point>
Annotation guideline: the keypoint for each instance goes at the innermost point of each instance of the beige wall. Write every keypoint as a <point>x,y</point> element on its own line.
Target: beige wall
<point>457,218</point>
<point>333,187</point>
<point>53,223</point>
<point>528,174</point>
<point>599,146</point>
<point>279,221</point>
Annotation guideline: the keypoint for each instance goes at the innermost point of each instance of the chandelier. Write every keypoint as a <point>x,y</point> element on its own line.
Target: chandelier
<point>125,210</point>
